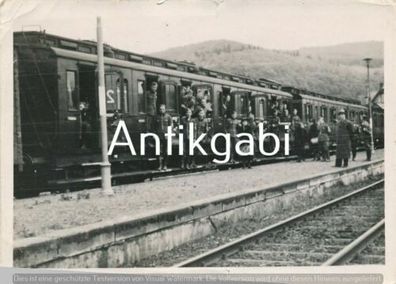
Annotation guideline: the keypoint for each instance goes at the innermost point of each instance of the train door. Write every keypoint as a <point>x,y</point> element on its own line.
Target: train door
<point>70,123</point>
<point>316,112</point>
<point>308,112</point>
<point>274,105</point>
<point>218,110</point>
<point>204,98</point>
<point>151,83</point>
<point>225,102</point>
<point>324,113</point>
<point>116,97</point>
<point>241,103</point>
<point>169,95</point>
<point>88,118</point>
<point>261,108</point>
<point>116,93</point>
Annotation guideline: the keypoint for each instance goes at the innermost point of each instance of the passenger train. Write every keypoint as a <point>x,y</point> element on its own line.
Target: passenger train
<point>55,95</point>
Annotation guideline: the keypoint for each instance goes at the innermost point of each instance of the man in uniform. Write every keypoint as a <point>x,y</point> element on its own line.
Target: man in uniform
<point>201,126</point>
<point>185,121</point>
<point>232,128</point>
<point>248,126</point>
<point>162,122</point>
<point>313,135</point>
<point>324,139</point>
<point>227,107</point>
<point>295,117</point>
<point>366,131</point>
<point>151,100</point>
<point>85,126</point>
<point>344,134</point>
<point>188,100</point>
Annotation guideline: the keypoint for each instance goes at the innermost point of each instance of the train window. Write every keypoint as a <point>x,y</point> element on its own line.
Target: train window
<point>112,91</point>
<point>352,115</point>
<point>241,103</point>
<point>333,114</point>
<point>116,93</point>
<point>141,100</point>
<point>125,96</point>
<point>170,97</point>
<point>308,111</point>
<point>323,113</point>
<point>72,102</point>
<point>326,114</point>
<point>262,109</point>
<point>225,104</point>
<point>204,98</point>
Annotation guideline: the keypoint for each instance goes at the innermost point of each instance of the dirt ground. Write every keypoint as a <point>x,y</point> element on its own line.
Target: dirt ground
<point>42,215</point>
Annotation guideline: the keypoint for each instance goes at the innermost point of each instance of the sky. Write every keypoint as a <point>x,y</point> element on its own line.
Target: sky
<point>146,26</point>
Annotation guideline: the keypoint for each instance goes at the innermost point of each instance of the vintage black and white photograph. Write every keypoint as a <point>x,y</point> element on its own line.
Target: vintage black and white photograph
<point>216,133</point>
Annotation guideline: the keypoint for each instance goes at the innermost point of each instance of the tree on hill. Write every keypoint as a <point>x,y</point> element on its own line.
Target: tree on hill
<point>328,70</point>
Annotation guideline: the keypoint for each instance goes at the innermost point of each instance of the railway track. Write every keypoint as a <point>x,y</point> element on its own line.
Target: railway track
<point>363,250</point>
<point>334,233</point>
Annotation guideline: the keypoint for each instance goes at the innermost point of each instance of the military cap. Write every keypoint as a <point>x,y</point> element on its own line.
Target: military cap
<point>341,111</point>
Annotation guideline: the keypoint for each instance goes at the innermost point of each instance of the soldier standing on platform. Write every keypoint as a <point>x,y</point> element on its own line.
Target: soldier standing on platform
<point>248,126</point>
<point>366,131</point>
<point>344,134</point>
<point>85,126</point>
<point>162,122</point>
<point>185,121</point>
<point>232,129</point>
<point>324,139</point>
<point>151,100</point>
<point>201,126</point>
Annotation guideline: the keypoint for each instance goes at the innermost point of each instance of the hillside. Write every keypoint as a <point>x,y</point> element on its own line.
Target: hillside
<point>334,70</point>
<point>349,53</point>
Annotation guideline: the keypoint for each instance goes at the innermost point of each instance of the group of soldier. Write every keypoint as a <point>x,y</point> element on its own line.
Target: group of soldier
<point>196,109</point>
<point>317,139</point>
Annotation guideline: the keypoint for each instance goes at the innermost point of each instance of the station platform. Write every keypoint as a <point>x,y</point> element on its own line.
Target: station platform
<point>43,215</point>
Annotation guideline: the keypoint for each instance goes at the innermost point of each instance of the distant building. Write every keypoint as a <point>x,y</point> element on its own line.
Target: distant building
<point>378,116</point>
<point>378,99</point>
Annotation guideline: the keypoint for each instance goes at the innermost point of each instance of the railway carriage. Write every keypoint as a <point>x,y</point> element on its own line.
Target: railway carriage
<point>312,105</point>
<point>54,76</point>
<point>57,130</point>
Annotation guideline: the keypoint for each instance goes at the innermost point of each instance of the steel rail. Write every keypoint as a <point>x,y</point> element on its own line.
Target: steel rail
<point>351,250</point>
<point>232,247</point>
